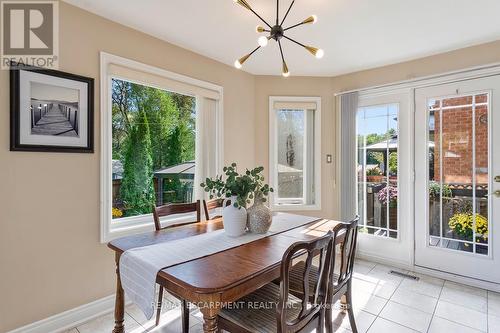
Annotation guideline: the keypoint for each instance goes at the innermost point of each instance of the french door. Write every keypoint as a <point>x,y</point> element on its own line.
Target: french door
<point>383,176</point>
<point>457,178</point>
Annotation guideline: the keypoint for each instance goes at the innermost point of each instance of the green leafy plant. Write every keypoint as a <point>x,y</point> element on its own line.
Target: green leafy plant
<point>260,189</point>
<point>393,163</point>
<point>374,172</point>
<point>435,190</point>
<point>244,187</point>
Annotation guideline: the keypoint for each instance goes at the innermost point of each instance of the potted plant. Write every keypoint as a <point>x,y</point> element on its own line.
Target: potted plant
<point>462,223</point>
<point>435,191</point>
<point>374,175</point>
<point>236,187</point>
<point>388,197</point>
<point>259,215</point>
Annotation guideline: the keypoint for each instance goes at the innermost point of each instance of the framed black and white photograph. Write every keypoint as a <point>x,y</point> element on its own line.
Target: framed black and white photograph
<point>51,111</point>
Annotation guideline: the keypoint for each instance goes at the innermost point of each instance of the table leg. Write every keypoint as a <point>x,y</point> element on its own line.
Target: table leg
<point>119,300</point>
<point>210,324</point>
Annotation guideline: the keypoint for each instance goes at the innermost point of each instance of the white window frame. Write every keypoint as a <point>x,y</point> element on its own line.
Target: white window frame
<point>115,228</point>
<point>281,205</point>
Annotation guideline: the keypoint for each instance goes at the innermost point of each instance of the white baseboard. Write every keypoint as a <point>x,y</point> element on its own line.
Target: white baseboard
<point>71,318</point>
<point>382,260</point>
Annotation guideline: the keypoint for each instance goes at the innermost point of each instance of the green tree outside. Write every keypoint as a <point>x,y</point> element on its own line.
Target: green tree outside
<point>170,118</point>
<point>137,190</point>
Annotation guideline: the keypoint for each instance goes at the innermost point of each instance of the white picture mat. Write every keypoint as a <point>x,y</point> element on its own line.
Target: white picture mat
<point>25,136</point>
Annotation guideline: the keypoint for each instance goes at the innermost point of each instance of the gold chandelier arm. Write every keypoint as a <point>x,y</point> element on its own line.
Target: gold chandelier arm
<point>245,5</point>
<point>309,20</point>
<point>285,72</point>
<point>288,11</point>
<point>293,40</point>
<point>281,51</point>
<point>318,53</point>
<point>242,60</point>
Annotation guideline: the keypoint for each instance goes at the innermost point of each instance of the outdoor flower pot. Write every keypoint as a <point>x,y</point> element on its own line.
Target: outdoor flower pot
<point>234,219</point>
<point>375,179</point>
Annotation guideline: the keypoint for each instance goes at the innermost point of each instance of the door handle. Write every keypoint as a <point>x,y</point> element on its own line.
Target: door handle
<point>496,193</point>
<point>497,179</point>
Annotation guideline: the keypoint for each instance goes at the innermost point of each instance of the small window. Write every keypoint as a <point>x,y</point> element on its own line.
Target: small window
<point>295,152</point>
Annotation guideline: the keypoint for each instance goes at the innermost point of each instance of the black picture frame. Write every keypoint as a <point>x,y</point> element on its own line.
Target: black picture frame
<point>15,105</point>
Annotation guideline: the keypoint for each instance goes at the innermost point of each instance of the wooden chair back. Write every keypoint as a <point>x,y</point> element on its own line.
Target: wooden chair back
<point>173,209</point>
<point>345,237</point>
<point>310,310</point>
<point>213,204</point>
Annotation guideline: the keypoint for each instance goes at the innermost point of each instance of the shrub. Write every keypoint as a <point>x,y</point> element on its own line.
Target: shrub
<point>435,190</point>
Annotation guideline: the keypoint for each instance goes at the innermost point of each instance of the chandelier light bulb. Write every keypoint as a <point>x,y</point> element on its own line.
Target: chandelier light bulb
<point>262,41</point>
<point>319,54</point>
<point>315,18</point>
<point>237,64</point>
<point>259,29</point>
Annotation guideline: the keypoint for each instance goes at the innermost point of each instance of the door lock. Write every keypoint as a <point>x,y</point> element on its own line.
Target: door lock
<point>497,193</point>
<point>497,179</point>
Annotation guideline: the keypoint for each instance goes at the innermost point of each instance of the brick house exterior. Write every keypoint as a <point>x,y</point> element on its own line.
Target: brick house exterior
<point>457,136</point>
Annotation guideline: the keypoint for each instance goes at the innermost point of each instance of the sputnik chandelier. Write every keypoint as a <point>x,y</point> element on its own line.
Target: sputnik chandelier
<point>277,32</point>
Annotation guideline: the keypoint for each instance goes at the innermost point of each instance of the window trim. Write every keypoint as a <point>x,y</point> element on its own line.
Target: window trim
<point>273,150</point>
<point>136,224</point>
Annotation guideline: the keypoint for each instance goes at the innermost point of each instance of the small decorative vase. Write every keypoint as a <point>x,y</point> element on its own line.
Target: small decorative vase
<point>259,216</point>
<point>234,219</point>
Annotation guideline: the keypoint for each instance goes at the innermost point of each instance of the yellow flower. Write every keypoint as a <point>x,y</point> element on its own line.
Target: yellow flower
<point>462,224</point>
<point>115,212</point>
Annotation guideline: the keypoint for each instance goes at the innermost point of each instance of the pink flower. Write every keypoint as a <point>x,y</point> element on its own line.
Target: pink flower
<point>391,192</point>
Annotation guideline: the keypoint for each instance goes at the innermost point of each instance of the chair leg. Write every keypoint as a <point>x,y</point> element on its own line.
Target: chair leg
<point>185,316</point>
<point>329,311</point>
<point>321,324</point>
<point>350,310</point>
<point>158,309</point>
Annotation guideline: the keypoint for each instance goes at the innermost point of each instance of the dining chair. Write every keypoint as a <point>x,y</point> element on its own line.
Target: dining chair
<point>168,210</point>
<point>340,282</point>
<point>213,204</point>
<point>273,309</point>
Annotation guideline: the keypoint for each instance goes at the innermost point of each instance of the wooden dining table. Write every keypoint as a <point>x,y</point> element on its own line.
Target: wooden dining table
<point>211,281</point>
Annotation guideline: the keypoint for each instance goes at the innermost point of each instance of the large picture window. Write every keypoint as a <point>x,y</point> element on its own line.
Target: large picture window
<point>153,143</point>
<point>161,135</point>
<point>294,152</point>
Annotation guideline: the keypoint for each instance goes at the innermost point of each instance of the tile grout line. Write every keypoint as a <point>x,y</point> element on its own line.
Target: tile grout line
<point>487,311</point>
<point>388,300</point>
<point>435,307</point>
<point>392,321</point>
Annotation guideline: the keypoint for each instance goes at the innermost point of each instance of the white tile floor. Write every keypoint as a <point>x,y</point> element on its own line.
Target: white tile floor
<point>382,303</point>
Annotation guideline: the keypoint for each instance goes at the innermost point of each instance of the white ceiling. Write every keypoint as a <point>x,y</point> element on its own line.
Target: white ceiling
<point>355,34</point>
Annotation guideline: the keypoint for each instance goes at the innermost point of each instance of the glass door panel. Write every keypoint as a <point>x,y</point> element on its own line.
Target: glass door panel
<point>377,163</point>
<point>457,156</point>
<point>458,173</point>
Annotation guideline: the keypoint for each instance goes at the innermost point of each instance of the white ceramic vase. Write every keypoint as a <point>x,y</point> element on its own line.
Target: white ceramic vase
<point>234,219</point>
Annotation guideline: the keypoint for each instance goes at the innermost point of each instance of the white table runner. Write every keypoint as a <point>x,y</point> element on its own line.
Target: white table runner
<point>140,266</point>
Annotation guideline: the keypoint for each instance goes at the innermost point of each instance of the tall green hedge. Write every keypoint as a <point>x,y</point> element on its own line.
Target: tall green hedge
<point>137,190</point>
